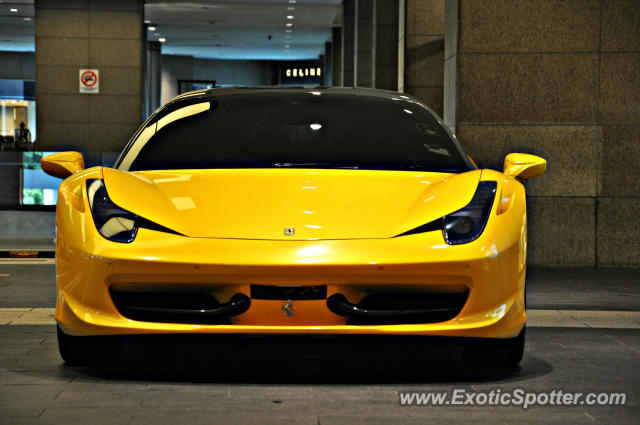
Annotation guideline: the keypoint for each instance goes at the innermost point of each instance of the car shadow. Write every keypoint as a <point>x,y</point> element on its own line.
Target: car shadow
<point>297,360</point>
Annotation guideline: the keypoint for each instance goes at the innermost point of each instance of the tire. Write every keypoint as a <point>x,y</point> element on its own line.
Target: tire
<point>496,352</point>
<point>70,348</point>
<point>514,349</point>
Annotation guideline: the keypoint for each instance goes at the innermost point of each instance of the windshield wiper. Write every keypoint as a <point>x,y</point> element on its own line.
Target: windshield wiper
<point>425,167</point>
<point>313,165</point>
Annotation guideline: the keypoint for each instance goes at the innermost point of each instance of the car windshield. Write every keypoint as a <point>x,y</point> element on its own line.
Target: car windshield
<point>297,130</point>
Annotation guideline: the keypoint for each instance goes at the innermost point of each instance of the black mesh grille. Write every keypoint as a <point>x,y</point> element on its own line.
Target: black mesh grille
<point>132,304</point>
<point>436,307</point>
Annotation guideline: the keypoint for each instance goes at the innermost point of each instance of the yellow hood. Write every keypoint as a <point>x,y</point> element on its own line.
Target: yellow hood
<point>318,204</point>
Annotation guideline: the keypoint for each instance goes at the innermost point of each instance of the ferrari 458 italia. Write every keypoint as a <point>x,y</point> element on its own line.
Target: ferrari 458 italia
<point>292,211</point>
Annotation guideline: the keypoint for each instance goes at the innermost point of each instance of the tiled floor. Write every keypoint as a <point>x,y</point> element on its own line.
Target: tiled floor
<point>583,337</point>
<point>29,244</point>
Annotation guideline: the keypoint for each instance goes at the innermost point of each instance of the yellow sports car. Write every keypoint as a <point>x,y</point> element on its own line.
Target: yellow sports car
<point>292,211</point>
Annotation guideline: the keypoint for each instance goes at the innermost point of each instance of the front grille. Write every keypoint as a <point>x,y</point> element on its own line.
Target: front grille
<point>270,292</point>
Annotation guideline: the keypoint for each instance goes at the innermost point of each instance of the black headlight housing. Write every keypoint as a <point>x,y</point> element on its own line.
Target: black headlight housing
<point>468,223</point>
<point>113,222</point>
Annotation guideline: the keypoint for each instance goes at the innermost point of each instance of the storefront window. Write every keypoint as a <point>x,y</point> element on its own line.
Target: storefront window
<point>17,115</point>
<point>38,188</point>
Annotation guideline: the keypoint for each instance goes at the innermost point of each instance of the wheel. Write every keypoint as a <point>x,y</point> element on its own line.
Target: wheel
<point>496,352</point>
<point>70,348</point>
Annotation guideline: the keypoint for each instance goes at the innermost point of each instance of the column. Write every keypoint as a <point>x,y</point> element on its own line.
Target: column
<point>450,103</point>
<point>336,42</point>
<point>327,76</point>
<point>402,30</point>
<point>153,73</point>
<point>424,55</point>
<point>101,34</point>
<point>386,52</point>
<point>365,43</point>
<point>349,42</point>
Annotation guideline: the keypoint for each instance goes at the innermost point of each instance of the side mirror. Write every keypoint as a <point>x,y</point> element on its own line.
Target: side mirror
<point>523,166</point>
<point>62,164</point>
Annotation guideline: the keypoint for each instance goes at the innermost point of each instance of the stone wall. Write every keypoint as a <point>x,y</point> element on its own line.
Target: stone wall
<point>73,35</point>
<point>560,79</point>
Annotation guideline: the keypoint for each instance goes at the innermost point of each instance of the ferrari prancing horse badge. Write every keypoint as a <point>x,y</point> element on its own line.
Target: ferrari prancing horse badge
<point>289,308</point>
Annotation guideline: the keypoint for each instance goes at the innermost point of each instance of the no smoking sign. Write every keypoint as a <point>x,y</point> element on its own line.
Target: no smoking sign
<point>89,81</point>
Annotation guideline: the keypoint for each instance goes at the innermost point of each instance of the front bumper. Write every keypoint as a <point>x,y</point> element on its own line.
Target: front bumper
<point>490,269</point>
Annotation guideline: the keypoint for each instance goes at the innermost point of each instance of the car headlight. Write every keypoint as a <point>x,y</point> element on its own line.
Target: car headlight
<point>467,224</point>
<point>113,222</point>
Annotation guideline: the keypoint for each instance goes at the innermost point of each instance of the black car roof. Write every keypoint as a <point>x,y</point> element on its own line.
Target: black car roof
<point>240,90</point>
<point>198,95</point>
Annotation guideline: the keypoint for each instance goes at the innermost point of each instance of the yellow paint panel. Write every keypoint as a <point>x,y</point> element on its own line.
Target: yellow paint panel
<point>318,204</point>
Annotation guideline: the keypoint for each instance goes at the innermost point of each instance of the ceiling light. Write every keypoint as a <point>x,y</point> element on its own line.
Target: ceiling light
<point>289,24</point>
<point>315,126</point>
<point>292,1</point>
<point>146,21</point>
<point>288,31</point>
<point>162,39</point>
<point>13,10</point>
<point>289,16</point>
<point>408,111</point>
<point>26,19</point>
<point>291,8</point>
<point>151,28</point>
<point>286,46</point>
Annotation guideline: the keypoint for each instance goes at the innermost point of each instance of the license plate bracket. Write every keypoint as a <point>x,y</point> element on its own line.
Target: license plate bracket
<point>276,292</point>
